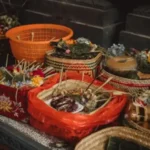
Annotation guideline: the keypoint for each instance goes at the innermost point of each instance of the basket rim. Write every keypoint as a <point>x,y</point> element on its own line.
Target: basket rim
<point>72,61</point>
<point>99,138</point>
<point>137,126</point>
<point>33,26</point>
<point>123,78</point>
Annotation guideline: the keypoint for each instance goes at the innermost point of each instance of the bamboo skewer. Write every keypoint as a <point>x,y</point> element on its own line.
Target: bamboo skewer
<point>18,37</point>
<point>60,80</point>
<point>83,76</point>
<point>8,72</point>
<point>53,38</point>
<point>92,82</point>
<point>109,79</point>
<point>32,36</point>
<point>7,58</point>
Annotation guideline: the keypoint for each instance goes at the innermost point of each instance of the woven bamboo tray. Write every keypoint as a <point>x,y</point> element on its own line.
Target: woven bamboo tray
<point>98,140</point>
<point>70,85</point>
<point>125,84</point>
<point>88,66</point>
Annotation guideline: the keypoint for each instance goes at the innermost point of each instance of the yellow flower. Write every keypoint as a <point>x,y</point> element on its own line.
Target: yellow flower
<point>37,81</point>
<point>5,105</point>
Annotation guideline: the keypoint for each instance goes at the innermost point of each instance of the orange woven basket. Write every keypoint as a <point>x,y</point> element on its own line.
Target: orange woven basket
<point>30,42</point>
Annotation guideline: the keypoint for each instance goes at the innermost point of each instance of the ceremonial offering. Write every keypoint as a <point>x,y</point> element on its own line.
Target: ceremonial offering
<point>77,55</point>
<point>129,69</point>
<point>71,96</point>
<point>121,64</point>
<point>70,106</point>
<point>7,22</point>
<point>15,82</point>
<point>139,108</point>
<point>137,114</point>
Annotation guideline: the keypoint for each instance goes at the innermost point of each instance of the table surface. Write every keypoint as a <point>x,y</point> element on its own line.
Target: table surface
<point>20,136</point>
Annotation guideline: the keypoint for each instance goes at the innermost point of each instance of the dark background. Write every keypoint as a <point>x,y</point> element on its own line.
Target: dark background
<point>103,21</point>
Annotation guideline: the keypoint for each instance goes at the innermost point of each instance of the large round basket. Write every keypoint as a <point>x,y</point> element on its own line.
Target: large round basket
<point>30,42</point>
<point>98,140</point>
<point>129,85</point>
<point>88,66</point>
<point>141,126</point>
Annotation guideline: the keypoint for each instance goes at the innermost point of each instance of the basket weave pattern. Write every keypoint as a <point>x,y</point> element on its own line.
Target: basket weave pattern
<point>82,66</point>
<point>124,83</point>
<point>137,126</point>
<point>98,140</point>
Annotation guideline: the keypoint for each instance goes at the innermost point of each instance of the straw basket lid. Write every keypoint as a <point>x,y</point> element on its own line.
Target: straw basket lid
<point>98,140</point>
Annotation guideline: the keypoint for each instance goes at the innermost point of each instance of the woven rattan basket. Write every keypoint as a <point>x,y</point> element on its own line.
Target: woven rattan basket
<point>125,84</point>
<point>88,66</point>
<point>98,140</point>
<point>70,85</point>
<point>139,126</point>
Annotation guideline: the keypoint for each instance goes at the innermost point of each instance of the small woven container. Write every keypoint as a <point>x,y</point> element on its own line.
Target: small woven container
<point>129,85</point>
<point>98,140</point>
<point>88,66</point>
<point>30,42</point>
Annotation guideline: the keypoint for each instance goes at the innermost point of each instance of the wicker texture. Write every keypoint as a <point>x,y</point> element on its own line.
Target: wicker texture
<point>70,85</point>
<point>88,66</point>
<point>31,42</point>
<point>98,140</point>
<point>137,126</point>
<point>125,84</point>
<point>71,126</point>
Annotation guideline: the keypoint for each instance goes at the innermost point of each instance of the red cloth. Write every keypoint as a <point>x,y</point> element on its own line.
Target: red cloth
<point>13,103</point>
